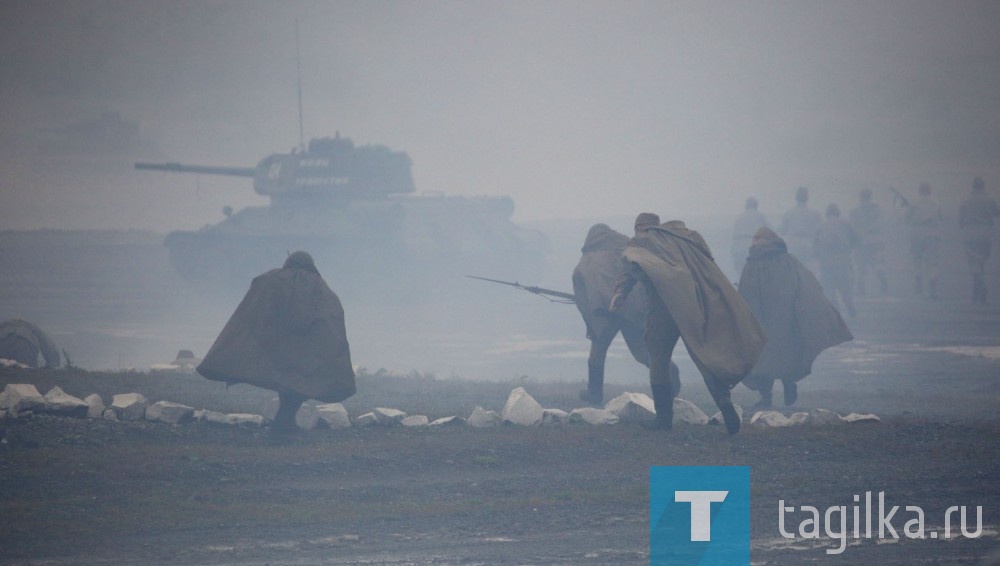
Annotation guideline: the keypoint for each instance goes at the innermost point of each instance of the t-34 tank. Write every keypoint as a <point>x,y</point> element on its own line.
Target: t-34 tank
<point>355,209</point>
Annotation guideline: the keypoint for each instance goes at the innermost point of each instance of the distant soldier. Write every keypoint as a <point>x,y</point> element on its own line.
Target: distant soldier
<point>924,218</point>
<point>834,241</point>
<point>799,226</point>
<point>799,320</point>
<point>975,218</point>
<point>593,285</point>
<point>744,227</point>
<point>688,297</point>
<point>22,342</point>
<point>288,335</point>
<point>869,222</point>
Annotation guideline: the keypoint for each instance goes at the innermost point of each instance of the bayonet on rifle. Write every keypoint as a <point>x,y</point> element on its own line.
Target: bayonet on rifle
<point>546,293</point>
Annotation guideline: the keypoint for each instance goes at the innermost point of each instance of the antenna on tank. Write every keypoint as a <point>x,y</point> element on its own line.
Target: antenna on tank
<point>298,77</point>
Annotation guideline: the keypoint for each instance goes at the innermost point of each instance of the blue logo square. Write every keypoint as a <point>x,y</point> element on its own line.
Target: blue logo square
<point>699,515</point>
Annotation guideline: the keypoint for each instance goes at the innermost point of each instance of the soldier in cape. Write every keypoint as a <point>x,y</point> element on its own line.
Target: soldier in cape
<point>799,319</point>
<point>288,335</point>
<point>593,286</point>
<point>688,297</point>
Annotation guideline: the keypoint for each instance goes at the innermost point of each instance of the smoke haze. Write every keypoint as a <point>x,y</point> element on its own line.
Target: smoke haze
<point>574,109</point>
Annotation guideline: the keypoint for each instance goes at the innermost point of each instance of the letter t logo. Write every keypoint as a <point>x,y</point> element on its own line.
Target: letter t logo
<point>701,510</point>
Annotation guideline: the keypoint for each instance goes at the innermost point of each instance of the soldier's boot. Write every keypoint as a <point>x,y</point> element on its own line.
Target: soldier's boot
<point>765,397</point>
<point>284,419</point>
<point>663,401</point>
<point>594,393</point>
<point>933,288</point>
<point>791,391</point>
<point>721,396</point>
<point>883,284</point>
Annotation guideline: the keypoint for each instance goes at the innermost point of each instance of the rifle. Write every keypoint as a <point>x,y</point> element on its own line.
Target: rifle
<point>561,297</point>
<point>898,196</point>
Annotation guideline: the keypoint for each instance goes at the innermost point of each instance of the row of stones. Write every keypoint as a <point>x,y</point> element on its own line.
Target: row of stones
<point>520,409</point>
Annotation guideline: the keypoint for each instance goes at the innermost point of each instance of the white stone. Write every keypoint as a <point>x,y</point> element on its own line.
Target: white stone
<point>4,362</point>
<point>593,416</point>
<point>554,417</point>
<point>446,421</point>
<point>480,418</point>
<point>717,417</point>
<point>367,419</point>
<point>799,418</point>
<point>129,406</point>
<point>271,409</point>
<point>213,417</point>
<point>824,417</point>
<point>769,419</point>
<point>861,418</point>
<point>95,405</point>
<point>415,420</point>
<point>687,412</point>
<point>632,407</point>
<point>19,397</point>
<point>388,417</point>
<point>333,415</point>
<point>170,413</point>
<point>306,417</point>
<point>521,409</point>
<point>245,420</point>
<point>109,414</point>
<point>59,402</point>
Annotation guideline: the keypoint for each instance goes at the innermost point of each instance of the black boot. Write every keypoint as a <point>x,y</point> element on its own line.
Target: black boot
<point>730,415</point>
<point>791,392</point>
<point>765,397</point>
<point>594,393</point>
<point>663,401</point>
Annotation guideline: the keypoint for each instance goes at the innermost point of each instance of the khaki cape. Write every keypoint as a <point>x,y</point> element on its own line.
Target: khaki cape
<point>594,282</point>
<point>287,334</point>
<point>719,331</point>
<point>790,304</point>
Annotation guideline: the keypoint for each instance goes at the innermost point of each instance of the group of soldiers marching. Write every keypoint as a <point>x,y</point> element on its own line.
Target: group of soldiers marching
<point>848,254</point>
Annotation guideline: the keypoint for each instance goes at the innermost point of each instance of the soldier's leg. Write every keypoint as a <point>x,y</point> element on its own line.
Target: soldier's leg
<point>661,337</point>
<point>635,338</point>
<point>847,289</point>
<point>594,394</point>
<point>764,386</point>
<point>917,251</point>
<point>791,391</point>
<point>932,261</point>
<point>288,406</point>
<point>721,395</point>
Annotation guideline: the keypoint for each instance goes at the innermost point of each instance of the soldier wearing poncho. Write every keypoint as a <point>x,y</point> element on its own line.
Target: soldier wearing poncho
<point>22,342</point>
<point>688,297</point>
<point>798,317</point>
<point>287,335</point>
<point>593,285</point>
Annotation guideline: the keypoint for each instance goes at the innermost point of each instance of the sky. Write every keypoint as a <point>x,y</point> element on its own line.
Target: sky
<point>575,109</point>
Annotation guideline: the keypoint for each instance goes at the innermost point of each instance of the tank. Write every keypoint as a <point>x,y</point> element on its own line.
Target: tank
<point>357,211</point>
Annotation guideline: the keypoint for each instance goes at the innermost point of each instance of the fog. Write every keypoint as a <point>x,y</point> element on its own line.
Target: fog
<point>579,111</point>
<point>574,109</point>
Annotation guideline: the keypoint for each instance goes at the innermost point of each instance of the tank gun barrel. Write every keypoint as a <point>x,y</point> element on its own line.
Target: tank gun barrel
<point>203,169</point>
